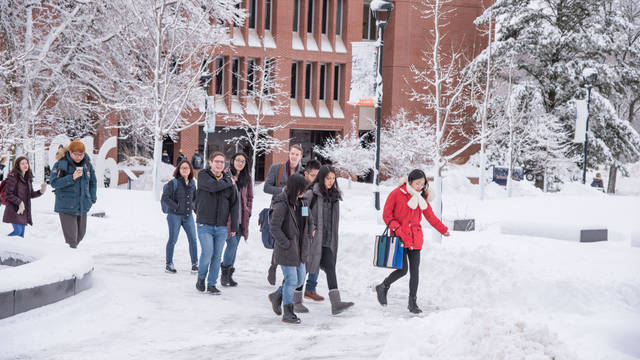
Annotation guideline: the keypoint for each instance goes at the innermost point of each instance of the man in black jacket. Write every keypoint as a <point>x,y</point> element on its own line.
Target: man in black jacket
<point>216,200</point>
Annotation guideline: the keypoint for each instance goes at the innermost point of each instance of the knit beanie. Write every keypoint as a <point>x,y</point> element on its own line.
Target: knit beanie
<point>76,146</point>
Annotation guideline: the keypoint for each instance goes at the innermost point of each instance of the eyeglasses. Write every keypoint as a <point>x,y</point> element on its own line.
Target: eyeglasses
<point>185,168</point>
<point>218,161</point>
<point>240,160</point>
<point>77,154</point>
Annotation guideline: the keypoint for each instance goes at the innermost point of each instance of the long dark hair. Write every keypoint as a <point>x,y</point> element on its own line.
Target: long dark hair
<point>244,178</point>
<point>332,194</point>
<point>296,185</point>
<point>16,168</point>
<point>416,174</point>
<point>176,172</point>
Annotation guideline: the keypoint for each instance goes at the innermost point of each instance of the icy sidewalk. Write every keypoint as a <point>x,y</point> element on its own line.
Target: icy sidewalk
<point>485,295</point>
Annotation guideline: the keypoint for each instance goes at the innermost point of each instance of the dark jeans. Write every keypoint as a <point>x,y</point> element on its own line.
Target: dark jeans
<point>73,228</point>
<point>411,262</point>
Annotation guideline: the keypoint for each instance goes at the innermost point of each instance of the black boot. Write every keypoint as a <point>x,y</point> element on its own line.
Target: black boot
<point>381,290</point>
<point>200,285</point>
<point>231,282</point>
<point>271,274</point>
<point>289,316</point>
<point>224,275</point>
<point>276,302</point>
<point>413,306</point>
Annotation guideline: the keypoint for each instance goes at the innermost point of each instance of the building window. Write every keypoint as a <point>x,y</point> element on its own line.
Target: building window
<point>323,78</point>
<point>268,71</point>
<point>310,17</point>
<point>235,76</point>
<point>219,75</point>
<point>368,24</point>
<point>339,18</point>
<point>296,14</point>
<point>325,16</point>
<point>307,85</point>
<point>267,11</point>
<point>336,83</point>
<point>251,74</point>
<point>235,23</point>
<point>294,79</point>
<point>252,14</point>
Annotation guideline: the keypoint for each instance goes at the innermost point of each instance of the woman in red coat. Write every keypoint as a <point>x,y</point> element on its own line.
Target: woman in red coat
<point>19,192</point>
<point>403,211</point>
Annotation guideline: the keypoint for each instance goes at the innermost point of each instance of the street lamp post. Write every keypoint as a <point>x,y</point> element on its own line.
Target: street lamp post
<point>590,76</point>
<point>205,82</point>
<point>381,10</point>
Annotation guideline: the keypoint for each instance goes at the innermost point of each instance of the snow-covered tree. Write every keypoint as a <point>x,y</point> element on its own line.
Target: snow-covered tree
<point>51,65</point>
<point>407,142</point>
<point>349,153</point>
<point>444,91</point>
<point>552,42</point>
<point>169,45</point>
<point>264,99</point>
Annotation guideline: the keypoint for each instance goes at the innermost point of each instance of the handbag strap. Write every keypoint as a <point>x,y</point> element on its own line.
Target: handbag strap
<point>386,230</point>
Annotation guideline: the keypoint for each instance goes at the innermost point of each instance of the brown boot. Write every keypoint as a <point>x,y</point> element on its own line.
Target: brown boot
<point>313,296</point>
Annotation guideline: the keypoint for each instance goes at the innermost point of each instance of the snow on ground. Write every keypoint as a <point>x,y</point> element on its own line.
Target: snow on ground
<point>486,295</point>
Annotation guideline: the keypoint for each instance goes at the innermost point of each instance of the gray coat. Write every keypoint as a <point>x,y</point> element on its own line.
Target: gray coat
<point>289,249</point>
<point>317,213</point>
<point>272,178</point>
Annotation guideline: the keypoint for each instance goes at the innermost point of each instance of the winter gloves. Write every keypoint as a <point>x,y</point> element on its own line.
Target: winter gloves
<point>20,208</point>
<point>43,187</point>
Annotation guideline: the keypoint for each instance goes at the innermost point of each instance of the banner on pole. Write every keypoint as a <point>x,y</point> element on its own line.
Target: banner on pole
<point>581,121</point>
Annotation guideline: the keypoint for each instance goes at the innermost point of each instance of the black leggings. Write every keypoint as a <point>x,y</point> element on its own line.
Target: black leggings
<point>328,264</point>
<point>411,262</point>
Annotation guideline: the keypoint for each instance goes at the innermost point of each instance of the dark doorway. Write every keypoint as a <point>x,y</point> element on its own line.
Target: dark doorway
<point>217,142</point>
<point>308,139</point>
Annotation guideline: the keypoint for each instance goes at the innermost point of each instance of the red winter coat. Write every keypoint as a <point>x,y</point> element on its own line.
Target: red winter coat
<point>406,221</point>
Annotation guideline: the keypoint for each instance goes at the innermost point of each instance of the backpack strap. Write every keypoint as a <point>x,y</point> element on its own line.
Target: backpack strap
<point>280,171</point>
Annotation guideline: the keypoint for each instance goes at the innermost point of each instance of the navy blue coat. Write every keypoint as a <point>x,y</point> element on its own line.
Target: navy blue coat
<point>181,200</point>
<point>73,197</point>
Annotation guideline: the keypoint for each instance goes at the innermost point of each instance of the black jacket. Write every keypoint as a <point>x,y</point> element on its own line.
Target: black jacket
<point>182,199</point>
<point>216,200</point>
<point>290,248</point>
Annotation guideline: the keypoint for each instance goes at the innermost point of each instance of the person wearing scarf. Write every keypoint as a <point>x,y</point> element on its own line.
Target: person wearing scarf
<point>403,211</point>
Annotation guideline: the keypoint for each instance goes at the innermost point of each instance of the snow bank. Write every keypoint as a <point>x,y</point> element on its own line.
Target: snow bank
<point>560,231</point>
<point>48,265</point>
<point>635,238</point>
<point>472,334</point>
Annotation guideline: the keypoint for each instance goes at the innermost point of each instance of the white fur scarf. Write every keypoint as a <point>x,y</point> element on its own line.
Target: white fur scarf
<point>417,199</point>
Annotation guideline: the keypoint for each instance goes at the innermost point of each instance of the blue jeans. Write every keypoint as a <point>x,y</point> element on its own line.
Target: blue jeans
<point>312,281</point>
<point>230,251</point>
<point>189,226</point>
<point>293,278</point>
<point>18,230</point>
<point>211,241</point>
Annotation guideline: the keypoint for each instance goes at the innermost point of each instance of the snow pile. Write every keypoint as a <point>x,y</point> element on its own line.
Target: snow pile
<point>560,231</point>
<point>629,185</point>
<point>577,188</point>
<point>470,334</point>
<point>49,264</point>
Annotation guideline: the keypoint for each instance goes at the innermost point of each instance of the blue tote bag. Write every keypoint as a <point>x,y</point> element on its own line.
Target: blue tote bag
<point>388,251</point>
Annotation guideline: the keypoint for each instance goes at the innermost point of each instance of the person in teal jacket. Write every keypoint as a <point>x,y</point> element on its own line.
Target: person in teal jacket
<point>74,181</point>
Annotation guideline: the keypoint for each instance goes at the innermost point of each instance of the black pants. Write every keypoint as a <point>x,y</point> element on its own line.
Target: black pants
<point>411,262</point>
<point>328,265</point>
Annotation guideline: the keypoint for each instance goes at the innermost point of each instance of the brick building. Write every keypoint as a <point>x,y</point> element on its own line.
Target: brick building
<point>309,41</point>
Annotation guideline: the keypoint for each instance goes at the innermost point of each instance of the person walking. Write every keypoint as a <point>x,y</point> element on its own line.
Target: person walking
<point>180,196</point>
<point>403,210</point>
<point>197,161</point>
<point>325,200</point>
<point>239,172</point>
<point>216,201</point>
<point>19,192</point>
<point>292,229</point>
<point>181,157</point>
<point>274,183</point>
<point>75,184</point>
